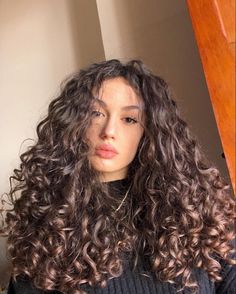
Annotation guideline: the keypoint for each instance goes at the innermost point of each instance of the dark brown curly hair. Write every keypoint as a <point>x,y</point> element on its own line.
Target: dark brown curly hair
<point>62,231</point>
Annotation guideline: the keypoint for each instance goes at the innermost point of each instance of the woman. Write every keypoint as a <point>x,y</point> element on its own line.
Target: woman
<point>116,196</point>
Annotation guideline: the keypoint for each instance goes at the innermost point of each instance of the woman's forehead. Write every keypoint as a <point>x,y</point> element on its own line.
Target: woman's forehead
<point>102,103</point>
<point>118,90</point>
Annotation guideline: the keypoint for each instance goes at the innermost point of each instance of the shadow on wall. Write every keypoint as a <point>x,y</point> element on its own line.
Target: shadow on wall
<point>160,33</point>
<point>86,32</point>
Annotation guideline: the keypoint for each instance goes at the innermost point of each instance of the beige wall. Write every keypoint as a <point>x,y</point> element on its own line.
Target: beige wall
<point>41,42</point>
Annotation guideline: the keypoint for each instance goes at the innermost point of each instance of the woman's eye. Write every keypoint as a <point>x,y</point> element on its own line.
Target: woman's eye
<point>96,113</point>
<point>130,120</point>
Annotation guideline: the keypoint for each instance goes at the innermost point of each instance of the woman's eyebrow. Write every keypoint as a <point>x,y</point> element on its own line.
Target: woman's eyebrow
<point>103,104</point>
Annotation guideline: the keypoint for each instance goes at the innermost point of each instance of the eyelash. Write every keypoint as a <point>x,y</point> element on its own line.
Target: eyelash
<point>132,120</point>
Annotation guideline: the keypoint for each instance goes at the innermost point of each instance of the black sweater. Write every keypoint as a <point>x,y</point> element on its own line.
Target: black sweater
<point>140,281</point>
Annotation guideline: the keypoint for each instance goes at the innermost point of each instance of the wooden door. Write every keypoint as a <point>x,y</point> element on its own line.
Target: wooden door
<point>214,26</point>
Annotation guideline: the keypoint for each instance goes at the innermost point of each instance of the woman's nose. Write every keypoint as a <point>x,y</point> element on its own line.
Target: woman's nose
<point>109,129</point>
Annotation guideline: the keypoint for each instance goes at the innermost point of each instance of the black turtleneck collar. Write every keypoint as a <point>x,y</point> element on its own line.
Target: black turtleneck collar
<point>118,186</point>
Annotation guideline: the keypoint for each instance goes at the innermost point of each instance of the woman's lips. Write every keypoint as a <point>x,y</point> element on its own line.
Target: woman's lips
<point>105,153</point>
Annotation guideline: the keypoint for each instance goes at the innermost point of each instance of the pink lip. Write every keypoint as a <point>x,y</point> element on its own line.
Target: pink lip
<point>106,151</point>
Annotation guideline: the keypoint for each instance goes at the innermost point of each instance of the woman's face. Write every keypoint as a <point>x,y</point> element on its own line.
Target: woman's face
<point>115,129</point>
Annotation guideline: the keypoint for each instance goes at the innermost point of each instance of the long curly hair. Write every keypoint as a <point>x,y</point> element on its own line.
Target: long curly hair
<point>61,229</point>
